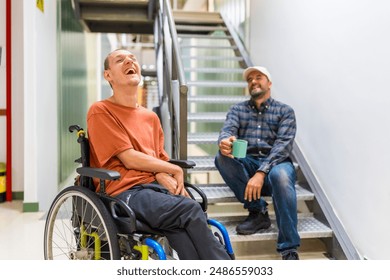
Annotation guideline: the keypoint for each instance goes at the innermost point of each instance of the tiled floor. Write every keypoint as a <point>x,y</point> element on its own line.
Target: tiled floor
<point>21,234</point>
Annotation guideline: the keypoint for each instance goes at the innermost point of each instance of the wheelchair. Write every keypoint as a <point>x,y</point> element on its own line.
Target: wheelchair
<point>86,225</point>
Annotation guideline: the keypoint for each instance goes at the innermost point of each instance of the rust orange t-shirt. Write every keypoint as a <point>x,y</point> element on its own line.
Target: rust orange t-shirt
<point>114,128</point>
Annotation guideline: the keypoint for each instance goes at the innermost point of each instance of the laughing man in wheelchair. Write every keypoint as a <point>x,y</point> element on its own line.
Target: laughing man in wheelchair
<point>128,138</point>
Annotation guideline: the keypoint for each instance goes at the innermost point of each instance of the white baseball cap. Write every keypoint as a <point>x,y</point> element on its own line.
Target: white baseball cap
<point>261,69</point>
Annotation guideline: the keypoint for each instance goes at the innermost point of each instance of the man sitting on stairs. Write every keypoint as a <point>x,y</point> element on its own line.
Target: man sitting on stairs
<point>269,126</point>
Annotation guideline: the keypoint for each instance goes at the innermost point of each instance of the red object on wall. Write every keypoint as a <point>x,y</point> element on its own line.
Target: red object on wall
<point>8,44</point>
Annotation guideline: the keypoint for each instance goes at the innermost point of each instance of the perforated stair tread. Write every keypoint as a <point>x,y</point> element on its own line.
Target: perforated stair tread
<point>182,17</point>
<point>181,28</point>
<point>221,193</point>
<point>213,57</point>
<point>214,70</point>
<point>217,99</point>
<point>206,163</point>
<point>207,117</point>
<point>203,138</point>
<point>201,36</point>
<point>217,84</point>
<point>203,163</point>
<point>308,227</point>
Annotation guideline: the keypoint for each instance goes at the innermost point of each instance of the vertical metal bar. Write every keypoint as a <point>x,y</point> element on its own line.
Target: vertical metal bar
<point>9,101</point>
<point>183,122</point>
<point>177,73</point>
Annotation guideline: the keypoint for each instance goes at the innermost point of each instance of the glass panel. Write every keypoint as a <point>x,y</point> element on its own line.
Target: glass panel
<point>237,11</point>
<point>72,85</point>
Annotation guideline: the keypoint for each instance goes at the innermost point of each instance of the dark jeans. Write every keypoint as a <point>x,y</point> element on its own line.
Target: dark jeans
<point>280,183</point>
<point>179,218</point>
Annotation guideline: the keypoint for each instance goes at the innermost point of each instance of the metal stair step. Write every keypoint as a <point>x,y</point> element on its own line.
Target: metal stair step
<point>207,117</point>
<point>221,193</point>
<point>218,99</point>
<point>208,47</point>
<point>200,36</point>
<point>214,70</point>
<point>206,163</point>
<point>195,17</point>
<point>308,227</point>
<point>203,163</point>
<point>199,28</point>
<point>222,58</point>
<point>203,138</point>
<point>218,84</point>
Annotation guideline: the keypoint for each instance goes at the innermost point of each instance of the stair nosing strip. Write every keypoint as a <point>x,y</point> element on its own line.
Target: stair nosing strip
<point>214,70</point>
<point>235,58</point>
<point>208,47</point>
<point>194,36</point>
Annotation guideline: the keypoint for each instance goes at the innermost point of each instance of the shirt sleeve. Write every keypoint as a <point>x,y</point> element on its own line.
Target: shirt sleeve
<point>104,129</point>
<point>231,124</point>
<point>283,144</point>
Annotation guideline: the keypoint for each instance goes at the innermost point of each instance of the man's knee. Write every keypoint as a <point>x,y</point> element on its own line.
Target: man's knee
<point>226,164</point>
<point>190,212</point>
<point>282,175</point>
<point>191,205</point>
<point>217,160</point>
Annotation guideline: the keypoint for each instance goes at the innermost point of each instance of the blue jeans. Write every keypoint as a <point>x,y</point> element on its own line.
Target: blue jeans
<point>279,183</point>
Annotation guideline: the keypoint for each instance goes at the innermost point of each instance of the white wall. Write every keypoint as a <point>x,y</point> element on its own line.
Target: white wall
<point>40,103</point>
<point>330,60</point>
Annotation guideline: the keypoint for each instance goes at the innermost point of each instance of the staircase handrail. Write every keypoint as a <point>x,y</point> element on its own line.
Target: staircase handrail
<point>176,49</point>
<point>174,87</point>
<point>241,50</point>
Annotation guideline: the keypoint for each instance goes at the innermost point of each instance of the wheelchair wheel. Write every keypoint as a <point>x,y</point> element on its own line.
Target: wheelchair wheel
<point>79,227</point>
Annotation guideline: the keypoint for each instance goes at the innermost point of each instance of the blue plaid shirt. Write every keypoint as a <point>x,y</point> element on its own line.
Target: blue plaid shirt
<point>270,131</point>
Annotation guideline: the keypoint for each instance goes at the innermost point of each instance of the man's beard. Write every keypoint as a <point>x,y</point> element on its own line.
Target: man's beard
<point>257,94</point>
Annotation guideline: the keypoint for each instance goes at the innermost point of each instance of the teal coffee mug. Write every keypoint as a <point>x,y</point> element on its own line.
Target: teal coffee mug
<point>239,148</point>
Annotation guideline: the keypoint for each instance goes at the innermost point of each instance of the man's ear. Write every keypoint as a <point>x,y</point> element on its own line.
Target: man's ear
<point>270,84</point>
<point>107,75</point>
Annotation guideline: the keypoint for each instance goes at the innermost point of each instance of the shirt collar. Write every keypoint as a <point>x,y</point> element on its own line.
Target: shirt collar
<point>266,104</point>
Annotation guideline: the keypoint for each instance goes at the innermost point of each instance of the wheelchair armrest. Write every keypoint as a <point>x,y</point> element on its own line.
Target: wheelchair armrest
<point>204,201</point>
<point>123,215</point>
<point>100,173</point>
<point>183,163</point>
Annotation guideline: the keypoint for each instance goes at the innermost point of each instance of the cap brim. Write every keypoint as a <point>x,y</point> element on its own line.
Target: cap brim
<point>262,70</point>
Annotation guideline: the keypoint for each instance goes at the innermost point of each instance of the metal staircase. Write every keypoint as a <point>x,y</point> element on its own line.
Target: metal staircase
<point>213,61</point>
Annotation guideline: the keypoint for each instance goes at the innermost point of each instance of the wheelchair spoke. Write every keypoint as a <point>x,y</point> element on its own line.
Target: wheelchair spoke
<point>79,227</point>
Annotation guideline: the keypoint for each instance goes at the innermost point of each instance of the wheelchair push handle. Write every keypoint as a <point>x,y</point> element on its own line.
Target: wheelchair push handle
<point>84,144</point>
<point>74,127</point>
<point>80,132</point>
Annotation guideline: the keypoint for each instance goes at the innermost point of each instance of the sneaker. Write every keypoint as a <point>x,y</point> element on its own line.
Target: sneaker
<point>290,256</point>
<point>253,223</point>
